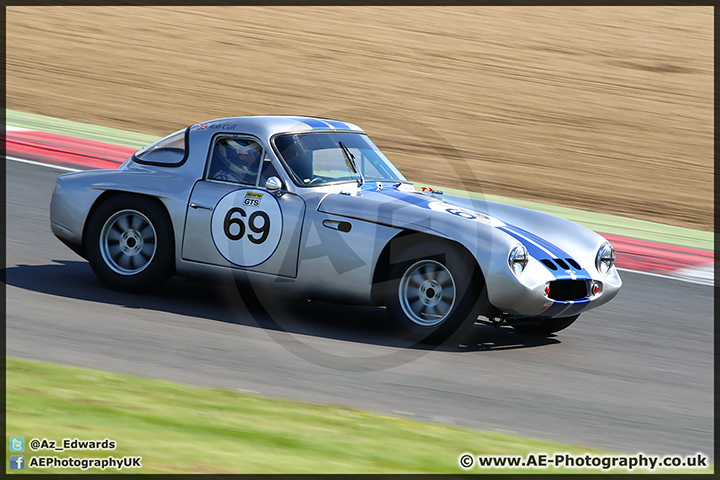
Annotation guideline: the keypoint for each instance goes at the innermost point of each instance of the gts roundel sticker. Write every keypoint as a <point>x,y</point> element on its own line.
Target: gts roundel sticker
<point>246,227</point>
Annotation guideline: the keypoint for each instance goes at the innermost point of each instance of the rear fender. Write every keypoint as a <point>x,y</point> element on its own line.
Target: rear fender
<point>77,195</point>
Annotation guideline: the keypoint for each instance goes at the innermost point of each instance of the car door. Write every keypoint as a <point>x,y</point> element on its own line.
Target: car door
<point>232,220</point>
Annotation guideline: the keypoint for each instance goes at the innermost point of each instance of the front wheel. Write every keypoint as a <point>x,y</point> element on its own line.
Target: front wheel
<point>130,243</point>
<point>433,290</point>
<point>546,326</point>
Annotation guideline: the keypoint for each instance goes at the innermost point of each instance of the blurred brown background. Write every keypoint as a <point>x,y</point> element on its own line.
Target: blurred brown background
<point>607,109</point>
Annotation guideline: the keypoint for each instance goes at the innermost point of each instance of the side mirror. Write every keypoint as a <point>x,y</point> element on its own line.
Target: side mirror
<point>273,184</point>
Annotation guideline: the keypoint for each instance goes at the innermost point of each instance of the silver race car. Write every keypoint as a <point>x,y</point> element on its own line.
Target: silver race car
<point>311,207</point>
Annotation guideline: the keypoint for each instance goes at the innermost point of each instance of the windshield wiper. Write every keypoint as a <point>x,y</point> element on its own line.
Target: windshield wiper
<point>351,160</point>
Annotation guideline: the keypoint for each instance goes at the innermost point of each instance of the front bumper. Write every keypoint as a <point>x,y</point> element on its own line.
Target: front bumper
<point>570,294</point>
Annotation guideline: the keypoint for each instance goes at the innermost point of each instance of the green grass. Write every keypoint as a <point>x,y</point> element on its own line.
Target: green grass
<point>183,429</point>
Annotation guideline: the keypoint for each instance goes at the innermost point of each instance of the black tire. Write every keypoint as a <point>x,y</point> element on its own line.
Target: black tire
<point>130,244</point>
<point>545,326</point>
<point>433,289</point>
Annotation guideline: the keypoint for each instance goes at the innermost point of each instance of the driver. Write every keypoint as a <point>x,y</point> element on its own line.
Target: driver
<point>236,160</point>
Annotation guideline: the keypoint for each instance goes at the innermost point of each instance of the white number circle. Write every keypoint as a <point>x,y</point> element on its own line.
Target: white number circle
<point>246,227</point>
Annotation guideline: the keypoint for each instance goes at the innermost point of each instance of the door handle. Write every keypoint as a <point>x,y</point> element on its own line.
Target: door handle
<point>197,205</point>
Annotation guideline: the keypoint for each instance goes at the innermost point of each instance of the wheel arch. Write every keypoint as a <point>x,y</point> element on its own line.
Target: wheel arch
<point>382,265</point>
<point>107,195</point>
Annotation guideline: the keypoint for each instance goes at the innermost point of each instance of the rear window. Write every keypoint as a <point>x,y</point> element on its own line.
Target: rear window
<point>169,151</point>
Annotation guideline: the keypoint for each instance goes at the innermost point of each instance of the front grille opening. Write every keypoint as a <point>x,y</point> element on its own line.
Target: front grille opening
<point>549,264</point>
<point>562,264</point>
<point>564,290</point>
<point>574,264</point>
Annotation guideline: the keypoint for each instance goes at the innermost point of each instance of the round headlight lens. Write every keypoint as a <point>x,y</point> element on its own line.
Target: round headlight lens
<point>518,259</point>
<point>605,258</point>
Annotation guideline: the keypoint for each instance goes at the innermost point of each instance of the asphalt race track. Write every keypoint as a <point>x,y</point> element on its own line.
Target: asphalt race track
<point>633,376</point>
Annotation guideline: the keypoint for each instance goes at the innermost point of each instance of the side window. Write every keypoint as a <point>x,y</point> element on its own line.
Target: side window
<point>235,160</point>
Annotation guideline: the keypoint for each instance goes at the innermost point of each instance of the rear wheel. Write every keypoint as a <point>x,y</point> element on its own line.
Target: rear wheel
<point>130,243</point>
<point>546,326</point>
<point>433,290</point>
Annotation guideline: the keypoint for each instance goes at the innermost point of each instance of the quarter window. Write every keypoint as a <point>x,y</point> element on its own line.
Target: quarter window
<point>169,151</point>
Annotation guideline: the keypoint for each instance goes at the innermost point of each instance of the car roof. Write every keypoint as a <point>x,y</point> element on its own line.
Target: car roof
<point>269,125</point>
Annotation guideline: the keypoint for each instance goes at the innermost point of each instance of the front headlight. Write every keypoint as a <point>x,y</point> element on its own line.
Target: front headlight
<point>605,258</point>
<point>518,259</point>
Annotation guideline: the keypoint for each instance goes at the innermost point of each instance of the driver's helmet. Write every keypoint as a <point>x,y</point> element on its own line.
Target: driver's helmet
<point>240,157</point>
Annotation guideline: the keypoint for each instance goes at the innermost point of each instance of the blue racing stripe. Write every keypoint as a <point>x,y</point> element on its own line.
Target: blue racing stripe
<point>532,249</point>
<point>337,125</point>
<point>313,123</point>
<point>413,199</point>
<point>539,253</point>
<point>577,308</point>
<point>554,309</point>
<point>537,247</point>
<point>555,251</point>
<point>536,252</point>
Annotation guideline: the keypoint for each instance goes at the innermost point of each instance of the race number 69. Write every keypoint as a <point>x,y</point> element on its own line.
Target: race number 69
<point>262,228</point>
<point>247,235</point>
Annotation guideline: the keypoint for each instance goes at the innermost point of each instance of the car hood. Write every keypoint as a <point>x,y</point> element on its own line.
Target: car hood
<point>478,224</point>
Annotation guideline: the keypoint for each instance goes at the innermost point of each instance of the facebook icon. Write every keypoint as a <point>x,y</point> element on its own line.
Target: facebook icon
<point>17,462</point>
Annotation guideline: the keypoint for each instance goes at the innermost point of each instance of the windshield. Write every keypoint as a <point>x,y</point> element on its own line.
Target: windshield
<point>320,157</point>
